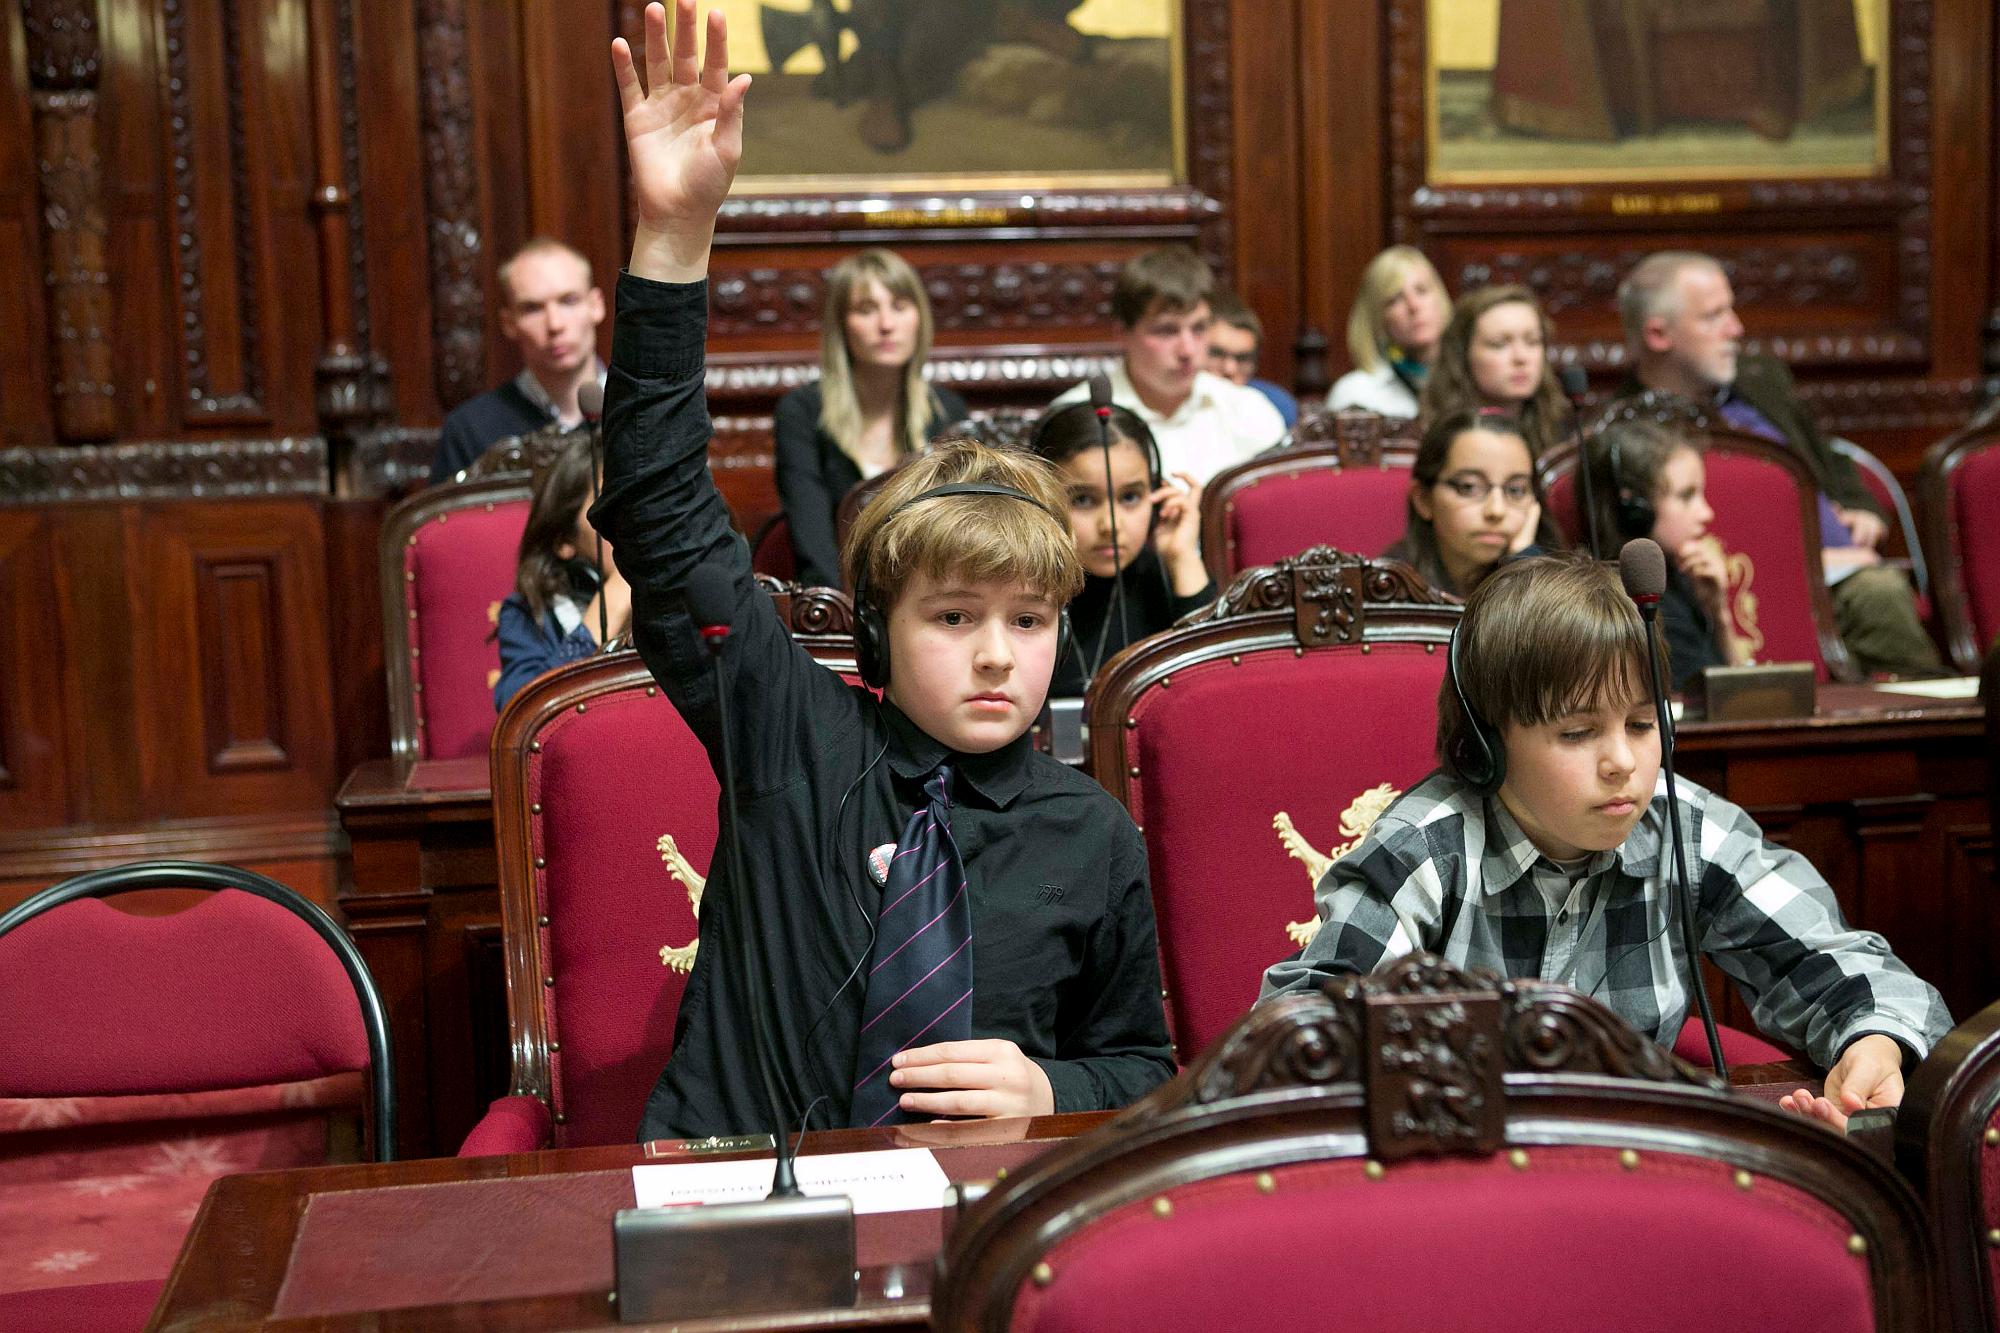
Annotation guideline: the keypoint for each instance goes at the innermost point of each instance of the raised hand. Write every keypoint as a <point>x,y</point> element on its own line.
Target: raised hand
<point>683,136</point>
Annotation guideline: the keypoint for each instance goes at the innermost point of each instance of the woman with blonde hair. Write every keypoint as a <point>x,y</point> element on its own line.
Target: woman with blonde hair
<point>1400,311</point>
<point>1495,354</point>
<point>870,410</point>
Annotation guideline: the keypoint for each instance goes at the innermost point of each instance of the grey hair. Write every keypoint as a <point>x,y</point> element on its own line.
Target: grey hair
<point>1650,292</point>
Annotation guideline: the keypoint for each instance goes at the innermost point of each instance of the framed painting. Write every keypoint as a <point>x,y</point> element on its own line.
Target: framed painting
<point>923,96</point>
<point>1588,91</point>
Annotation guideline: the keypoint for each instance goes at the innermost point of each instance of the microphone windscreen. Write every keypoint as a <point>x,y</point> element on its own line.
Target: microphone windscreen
<point>1642,567</point>
<point>1100,392</point>
<point>590,400</point>
<point>710,593</point>
<point>1574,382</point>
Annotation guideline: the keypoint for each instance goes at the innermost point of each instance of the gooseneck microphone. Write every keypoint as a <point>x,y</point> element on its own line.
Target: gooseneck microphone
<point>1100,403</point>
<point>1575,384</point>
<point>1642,567</point>
<point>710,593</point>
<point>590,402</point>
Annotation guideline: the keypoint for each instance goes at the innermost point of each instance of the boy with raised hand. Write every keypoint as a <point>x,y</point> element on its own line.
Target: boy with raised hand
<point>1552,862</point>
<point>952,924</point>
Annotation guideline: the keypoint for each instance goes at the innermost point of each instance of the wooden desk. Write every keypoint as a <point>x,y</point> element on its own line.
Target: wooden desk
<point>518,1243</point>
<point>345,1245</point>
<point>1885,793</point>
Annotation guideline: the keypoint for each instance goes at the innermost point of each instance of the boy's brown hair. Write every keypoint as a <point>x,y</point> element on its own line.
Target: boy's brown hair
<point>1542,638</point>
<point>1174,278</point>
<point>982,538</point>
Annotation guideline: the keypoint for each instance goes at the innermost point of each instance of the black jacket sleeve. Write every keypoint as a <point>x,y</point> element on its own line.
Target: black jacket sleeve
<point>663,516</point>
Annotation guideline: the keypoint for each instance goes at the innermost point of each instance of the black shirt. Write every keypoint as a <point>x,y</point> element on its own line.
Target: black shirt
<point>1150,606</point>
<point>814,472</point>
<point>1065,961</point>
<point>1688,630</point>
<point>476,423</point>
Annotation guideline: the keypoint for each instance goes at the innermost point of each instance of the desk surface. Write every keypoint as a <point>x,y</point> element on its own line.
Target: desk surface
<point>342,1245</point>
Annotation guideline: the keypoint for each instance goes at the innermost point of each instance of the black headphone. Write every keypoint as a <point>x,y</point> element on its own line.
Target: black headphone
<point>1479,755</point>
<point>871,627</point>
<point>1636,514</point>
<point>1136,430</point>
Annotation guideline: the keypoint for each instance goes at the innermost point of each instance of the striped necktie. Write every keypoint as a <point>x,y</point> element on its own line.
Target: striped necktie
<point>920,969</point>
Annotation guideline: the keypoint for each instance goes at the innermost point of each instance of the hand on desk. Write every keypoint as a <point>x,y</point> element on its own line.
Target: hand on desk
<point>972,1078</point>
<point>1869,1073</point>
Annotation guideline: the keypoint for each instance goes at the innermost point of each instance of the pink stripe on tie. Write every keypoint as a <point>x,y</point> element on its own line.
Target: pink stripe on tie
<point>890,1007</point>
<point>906,1046</point>
<point>883,962</point>
<point>907,892</point>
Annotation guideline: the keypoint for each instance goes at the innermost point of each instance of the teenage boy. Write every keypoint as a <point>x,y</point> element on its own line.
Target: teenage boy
<point>1203,422</point>
<point>954,925</point>
<point>1558,871</point>
<point>1236,346</point>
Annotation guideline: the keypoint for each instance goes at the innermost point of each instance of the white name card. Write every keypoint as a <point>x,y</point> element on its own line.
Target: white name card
<point>897,1180</point>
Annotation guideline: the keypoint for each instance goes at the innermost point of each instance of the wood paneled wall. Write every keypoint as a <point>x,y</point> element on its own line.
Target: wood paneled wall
<point>246,219</point>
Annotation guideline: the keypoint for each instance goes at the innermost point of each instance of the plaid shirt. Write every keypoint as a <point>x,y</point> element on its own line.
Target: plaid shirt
<point>1447,871</point>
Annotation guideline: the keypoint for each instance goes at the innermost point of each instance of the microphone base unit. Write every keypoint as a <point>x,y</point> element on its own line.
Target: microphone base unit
<point>720,1260</point>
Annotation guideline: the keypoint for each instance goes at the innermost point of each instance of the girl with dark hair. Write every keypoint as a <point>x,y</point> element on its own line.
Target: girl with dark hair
<point>871,410</point>
<point>1157,543</point>
<point>1474,501</point>
<point>1494,353</point>
<point>565,580</point>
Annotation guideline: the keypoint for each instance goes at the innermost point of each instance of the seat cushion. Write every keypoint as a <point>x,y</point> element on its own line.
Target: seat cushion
<point>1975,494</point>
<point>100,1307</point>
<point>1575,1240</point>
<point>111,1228</point>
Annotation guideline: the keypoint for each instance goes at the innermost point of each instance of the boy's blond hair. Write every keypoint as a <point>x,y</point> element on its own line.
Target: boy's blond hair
<point>1543,638</point>
<point>981,538</point>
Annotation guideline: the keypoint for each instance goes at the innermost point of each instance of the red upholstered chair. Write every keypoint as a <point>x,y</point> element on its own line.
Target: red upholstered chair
<point>1948,1144</point>
<point>1767,517</point>
<point>141,1057</point>
<point>1958,495</point>
<point>604,812</point>
<point>447,557</point>
<point>1257,743</point>
<point>1426,1149</point>
<point>1342,481</point>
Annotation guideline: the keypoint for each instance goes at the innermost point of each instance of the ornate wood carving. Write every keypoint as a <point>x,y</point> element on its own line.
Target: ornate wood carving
<point>451,197</point>
<point>815,616</point>
<point>390,460</point>
<point>163,470</point>
<point>351,382</point>
<point>1895,207</point>
<point>1359,439</point>
<point>1327,593</point>
<point>63,70</point>
<point>201,399</point>
<point>1025,377</point>
<point>524,455</point>
<point>1321,1038</point>
<point>985,296</point>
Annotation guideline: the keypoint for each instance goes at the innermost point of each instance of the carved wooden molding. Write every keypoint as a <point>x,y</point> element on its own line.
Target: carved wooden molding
<point>1328,593</point>
<point>201,400</point>
<point>164,470</point>
<point>1033,295</point>
<point>1895,207</point>
<point>526,455</point>
<point>451,198</point>
<point>351,380</point>
<point>63,58</point>
<point>391,460</point>
<point>1028,375</point>
<point>1358,438</point>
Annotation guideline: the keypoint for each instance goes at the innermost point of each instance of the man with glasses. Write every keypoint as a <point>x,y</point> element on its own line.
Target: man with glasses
<point>1236,343</point>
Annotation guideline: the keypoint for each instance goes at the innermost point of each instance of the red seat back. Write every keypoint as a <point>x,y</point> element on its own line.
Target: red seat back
<point>448,558</point>
<point>772,552</point>
<point>1245,751</point>
<point>1344,484</point>
<point>1958,493</point>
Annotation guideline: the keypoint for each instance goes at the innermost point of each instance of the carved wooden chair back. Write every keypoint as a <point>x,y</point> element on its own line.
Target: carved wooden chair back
<point>1552,1168</point>
<point>446,559</point>
<point>1340,479</point>
<point>1778,597</point>
<point>605,819</point>
<point>1958,497</point>
<point>526,455</point>
<point>1948,1144</point>
<point>1258,743</point>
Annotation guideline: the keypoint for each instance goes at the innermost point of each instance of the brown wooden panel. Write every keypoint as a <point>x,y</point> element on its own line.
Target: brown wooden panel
<point>92,604</point>
<point>1265,118</point>
<point>232,612</point>
<point>138,206</point>
<point>33,751</point>
<point>24,403</point>
<point>394,167</point>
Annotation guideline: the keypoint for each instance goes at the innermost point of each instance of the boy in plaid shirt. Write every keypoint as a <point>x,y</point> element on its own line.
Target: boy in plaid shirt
<point>1553,867</point>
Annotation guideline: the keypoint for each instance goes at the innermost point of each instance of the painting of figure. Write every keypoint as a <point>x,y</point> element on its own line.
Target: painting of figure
<point>1660,90</point>
<point>908,95</point>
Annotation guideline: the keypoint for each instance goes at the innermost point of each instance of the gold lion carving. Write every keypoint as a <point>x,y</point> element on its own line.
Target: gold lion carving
<point>1355,821</point>
<point>682,959</point>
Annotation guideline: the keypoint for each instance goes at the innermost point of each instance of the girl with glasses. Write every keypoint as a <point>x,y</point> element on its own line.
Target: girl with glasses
<point>1473,502</point>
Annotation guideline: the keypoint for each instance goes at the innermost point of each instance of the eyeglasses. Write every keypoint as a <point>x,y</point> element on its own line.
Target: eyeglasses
<point>1473,489</point>
<point>1233,358</point>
